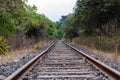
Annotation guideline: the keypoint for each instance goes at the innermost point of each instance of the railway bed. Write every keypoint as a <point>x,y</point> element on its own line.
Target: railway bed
<point>61,62</point>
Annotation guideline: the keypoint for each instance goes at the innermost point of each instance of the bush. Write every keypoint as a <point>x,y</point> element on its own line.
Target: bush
<point>37,46</point>
<point>3,47</point>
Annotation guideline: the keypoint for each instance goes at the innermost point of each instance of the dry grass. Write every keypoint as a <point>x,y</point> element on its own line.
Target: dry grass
<point>110,55</point>
<point>14,55</point>
<point>106,48</point>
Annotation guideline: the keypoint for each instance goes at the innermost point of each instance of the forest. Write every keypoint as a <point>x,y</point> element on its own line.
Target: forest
<point>21,25</point>
<point>94,23</point>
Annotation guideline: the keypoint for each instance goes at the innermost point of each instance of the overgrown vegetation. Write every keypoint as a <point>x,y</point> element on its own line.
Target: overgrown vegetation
<point>3,48</point>
<point>95,22</point>
<point>21,24</point>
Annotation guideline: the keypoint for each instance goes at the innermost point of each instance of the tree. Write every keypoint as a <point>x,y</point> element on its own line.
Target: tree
<point>96,15</point>
<point>38,24</point>
<point>69,30</point>
<point>19,18</point>
<point>11,15</point>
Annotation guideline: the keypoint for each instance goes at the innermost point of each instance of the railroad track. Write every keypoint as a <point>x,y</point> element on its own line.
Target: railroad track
<point>61,61</point>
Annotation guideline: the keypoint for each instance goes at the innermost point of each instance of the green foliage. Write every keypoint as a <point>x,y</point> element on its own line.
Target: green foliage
<point>96,22</point>
<point>18,19</point>
<point>59,34</point>
<point>93,14</point>
<point>7,24</point>
<point>16,16</point>
<point>92,17</point>
<point>50,27</point>
<point>68,27</point>
<point>3,48</point>
<point>44,27</point>
<point>50,30</point>
<point>11,15</point>
<point>33,18</point>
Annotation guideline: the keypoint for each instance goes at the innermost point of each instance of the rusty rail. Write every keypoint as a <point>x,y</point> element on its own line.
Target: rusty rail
<point>21,70</point>
<point>107,69</point>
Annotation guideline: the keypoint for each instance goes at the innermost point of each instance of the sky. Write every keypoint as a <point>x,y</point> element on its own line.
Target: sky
<point>54,9</point>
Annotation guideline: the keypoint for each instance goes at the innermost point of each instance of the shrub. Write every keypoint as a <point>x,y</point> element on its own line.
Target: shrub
<point>37,46</point>
<point>3,47</point>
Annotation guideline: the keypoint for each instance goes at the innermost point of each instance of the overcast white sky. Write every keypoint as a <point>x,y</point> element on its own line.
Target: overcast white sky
<point>54,9</point>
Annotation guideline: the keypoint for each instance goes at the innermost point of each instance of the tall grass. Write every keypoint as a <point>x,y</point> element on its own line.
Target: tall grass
<point>99,42</point>
<point>19,41</point>
<point>105,46</point>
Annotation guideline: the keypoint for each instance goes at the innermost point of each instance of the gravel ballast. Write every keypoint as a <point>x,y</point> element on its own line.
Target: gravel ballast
<point>107,61</point>
<point>9,67</point>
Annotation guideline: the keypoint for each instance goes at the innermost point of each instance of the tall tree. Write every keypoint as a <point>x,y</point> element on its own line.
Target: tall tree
<point>97,13</point>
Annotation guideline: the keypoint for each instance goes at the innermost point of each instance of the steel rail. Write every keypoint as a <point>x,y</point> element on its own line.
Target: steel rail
<point>107,69</point>
<point>15,75</point>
